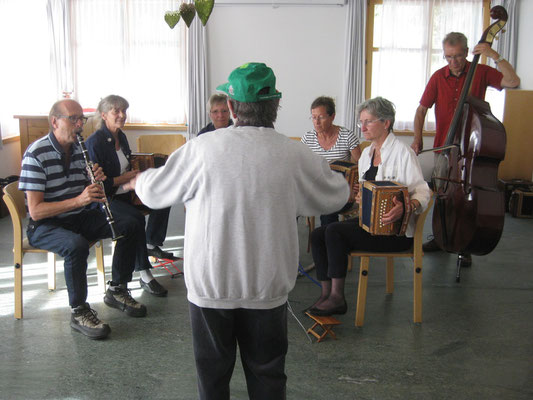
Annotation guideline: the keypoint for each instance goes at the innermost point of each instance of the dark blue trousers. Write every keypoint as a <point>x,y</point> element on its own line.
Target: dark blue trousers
<point>262,339</point>
<point>70,237</point>
<point>156,229</point>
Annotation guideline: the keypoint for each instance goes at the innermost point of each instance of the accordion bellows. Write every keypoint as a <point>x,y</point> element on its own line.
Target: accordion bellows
<point>141,162</point>
<point>376,200</point>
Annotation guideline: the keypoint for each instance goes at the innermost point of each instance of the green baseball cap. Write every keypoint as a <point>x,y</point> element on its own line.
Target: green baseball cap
<point>246,81</point>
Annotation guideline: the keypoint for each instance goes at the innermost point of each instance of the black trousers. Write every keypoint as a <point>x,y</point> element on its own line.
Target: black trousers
<point>332,243</point>
<point>262,339</point>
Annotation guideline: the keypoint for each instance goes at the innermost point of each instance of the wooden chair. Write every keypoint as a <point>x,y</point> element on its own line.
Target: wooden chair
<point>163,144</point>
<point>415,253</point>
<point>14,200</point>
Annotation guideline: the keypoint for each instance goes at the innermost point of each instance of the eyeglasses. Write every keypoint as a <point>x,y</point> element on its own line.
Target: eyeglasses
<point>318,118</point>
<point>74,119</point>
<point>223,112</point>
<point>360,124</point>
<point>454,58</point>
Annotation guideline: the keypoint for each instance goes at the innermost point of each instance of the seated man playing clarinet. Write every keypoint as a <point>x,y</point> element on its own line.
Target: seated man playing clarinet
<point>58,191</point>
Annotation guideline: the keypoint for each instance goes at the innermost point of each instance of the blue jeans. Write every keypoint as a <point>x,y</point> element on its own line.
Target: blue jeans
<point>156,230</point>
<point>262,339</point>
<point>70,237</point>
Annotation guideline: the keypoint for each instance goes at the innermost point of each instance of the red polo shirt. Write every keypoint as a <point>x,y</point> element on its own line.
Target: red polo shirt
<point>444,90</point>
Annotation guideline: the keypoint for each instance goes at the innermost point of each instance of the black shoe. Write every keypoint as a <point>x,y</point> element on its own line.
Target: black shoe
<point>158,253</point>
<point>340,310</point>
<point>153,287</point>
<point>121,299</point>
<point>465,260</point>
<point>85,320</point>
<point>430,246</point>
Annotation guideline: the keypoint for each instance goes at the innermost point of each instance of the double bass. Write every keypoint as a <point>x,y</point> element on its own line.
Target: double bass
<point>469,208</point>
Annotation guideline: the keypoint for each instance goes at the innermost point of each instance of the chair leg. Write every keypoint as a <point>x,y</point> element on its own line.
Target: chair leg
<point>417,291</point>
<point>100,267</point>
<point>389,287</point>
<point>361,292</point>
<point>18,290</point>
<point>350,263</point>
<point>51,271</point>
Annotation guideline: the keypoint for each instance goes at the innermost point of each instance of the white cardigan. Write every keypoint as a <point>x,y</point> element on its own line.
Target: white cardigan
<point>399,164</point>
<point>243,188</point>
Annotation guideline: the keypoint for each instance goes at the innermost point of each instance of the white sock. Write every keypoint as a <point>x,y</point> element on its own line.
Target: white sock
<point>146,275</point>
<point>150,246</point>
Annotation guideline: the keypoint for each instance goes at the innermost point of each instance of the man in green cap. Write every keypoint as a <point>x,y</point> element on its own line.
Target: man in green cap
<point>243,187</point>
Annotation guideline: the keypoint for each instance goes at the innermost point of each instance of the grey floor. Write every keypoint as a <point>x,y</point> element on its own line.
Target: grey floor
<point>476,341</point>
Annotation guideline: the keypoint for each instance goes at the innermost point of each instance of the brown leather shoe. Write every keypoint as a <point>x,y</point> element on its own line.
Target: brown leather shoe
<point>430,246</point>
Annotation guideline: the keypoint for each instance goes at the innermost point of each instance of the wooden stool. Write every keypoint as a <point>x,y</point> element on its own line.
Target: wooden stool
<point>326,323</point>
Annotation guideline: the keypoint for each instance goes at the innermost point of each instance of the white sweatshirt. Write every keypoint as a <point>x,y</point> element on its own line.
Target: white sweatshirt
<point>243,188</point>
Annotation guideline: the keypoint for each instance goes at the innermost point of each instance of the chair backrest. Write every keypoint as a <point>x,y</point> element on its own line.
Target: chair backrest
<point>163,144</point>
<point>14,199</point>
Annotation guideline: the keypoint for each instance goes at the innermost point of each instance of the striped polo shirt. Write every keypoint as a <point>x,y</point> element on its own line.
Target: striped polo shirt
<point>44,170</point>
<point>346,142</point>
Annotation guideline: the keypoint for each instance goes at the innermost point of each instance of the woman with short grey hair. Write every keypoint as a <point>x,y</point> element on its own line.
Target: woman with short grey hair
<point>217,108</point>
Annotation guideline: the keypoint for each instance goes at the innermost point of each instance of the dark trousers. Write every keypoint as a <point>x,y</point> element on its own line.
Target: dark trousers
<point>328,219</point>
<point>156,230</point>
<point>331,244</point>
<point>70,237</point>
<point>262,339</point>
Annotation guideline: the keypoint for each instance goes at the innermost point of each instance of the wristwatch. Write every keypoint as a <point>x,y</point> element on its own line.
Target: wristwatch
<point>498,60</point>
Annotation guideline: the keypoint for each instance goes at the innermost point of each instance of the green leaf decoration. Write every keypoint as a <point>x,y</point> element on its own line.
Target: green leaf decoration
<point>187,12</point>
<point>204,9</point>
<point>172,18</point>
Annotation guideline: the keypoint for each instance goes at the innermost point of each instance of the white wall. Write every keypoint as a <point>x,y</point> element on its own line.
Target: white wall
<point>525,45</point>
<point>304,45</point>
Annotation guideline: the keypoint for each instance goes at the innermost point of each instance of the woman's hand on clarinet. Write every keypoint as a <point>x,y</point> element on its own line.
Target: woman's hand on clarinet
<point>395,212</point>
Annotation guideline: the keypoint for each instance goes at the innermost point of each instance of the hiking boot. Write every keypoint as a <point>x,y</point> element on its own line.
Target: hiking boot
<point>120,298</point>
<point>85,320</point>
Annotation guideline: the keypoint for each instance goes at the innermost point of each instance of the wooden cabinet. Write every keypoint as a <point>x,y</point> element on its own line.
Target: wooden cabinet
<point>32,127</point>
<point>518,162</point>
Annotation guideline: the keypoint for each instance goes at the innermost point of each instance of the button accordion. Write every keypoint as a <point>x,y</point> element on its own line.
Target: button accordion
<point>141,162</point>
<point>376,200</point>
<point>350,172</point>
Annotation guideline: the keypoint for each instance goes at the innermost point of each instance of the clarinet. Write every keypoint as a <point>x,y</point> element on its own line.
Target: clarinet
<point>105,205</point>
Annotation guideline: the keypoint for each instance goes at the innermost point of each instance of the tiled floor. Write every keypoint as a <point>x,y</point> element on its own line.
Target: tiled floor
<point>476,341</point>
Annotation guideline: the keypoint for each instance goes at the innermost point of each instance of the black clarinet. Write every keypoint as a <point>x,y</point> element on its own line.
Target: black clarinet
<point>105,205</point>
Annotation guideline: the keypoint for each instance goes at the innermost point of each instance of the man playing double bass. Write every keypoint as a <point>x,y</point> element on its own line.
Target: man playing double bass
<point>444,89</point>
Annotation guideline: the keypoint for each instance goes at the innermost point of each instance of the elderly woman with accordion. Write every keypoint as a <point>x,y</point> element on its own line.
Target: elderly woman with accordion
<point>109,147</point>
<point>386,159</point>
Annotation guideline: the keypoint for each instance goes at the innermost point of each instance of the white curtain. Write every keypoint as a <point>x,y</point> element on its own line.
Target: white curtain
<point>60,48</point>
<point>197,78</point>
<point>507,43</point>
<point>408,35</point>
<point>124,47</point>
<point>354,61</point>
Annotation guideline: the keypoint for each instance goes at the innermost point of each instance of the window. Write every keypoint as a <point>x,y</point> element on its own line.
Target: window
<point>404,47</point>
<point>92,48</point>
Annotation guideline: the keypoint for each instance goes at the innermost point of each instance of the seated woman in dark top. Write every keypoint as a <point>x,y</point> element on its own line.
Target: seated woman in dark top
<point>109,147</point>
<point>218,110</point>
<point>387,158</point>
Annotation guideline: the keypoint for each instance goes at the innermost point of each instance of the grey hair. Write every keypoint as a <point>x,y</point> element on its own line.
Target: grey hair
<point>380,108</point>
<point>216,98</point>
<point>261,113</point>
<point>455,38</point>
<point>324,101</point>
<point>107,104</point>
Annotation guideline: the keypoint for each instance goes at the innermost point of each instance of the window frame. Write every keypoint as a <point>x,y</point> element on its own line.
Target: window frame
<point>370,49</point>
